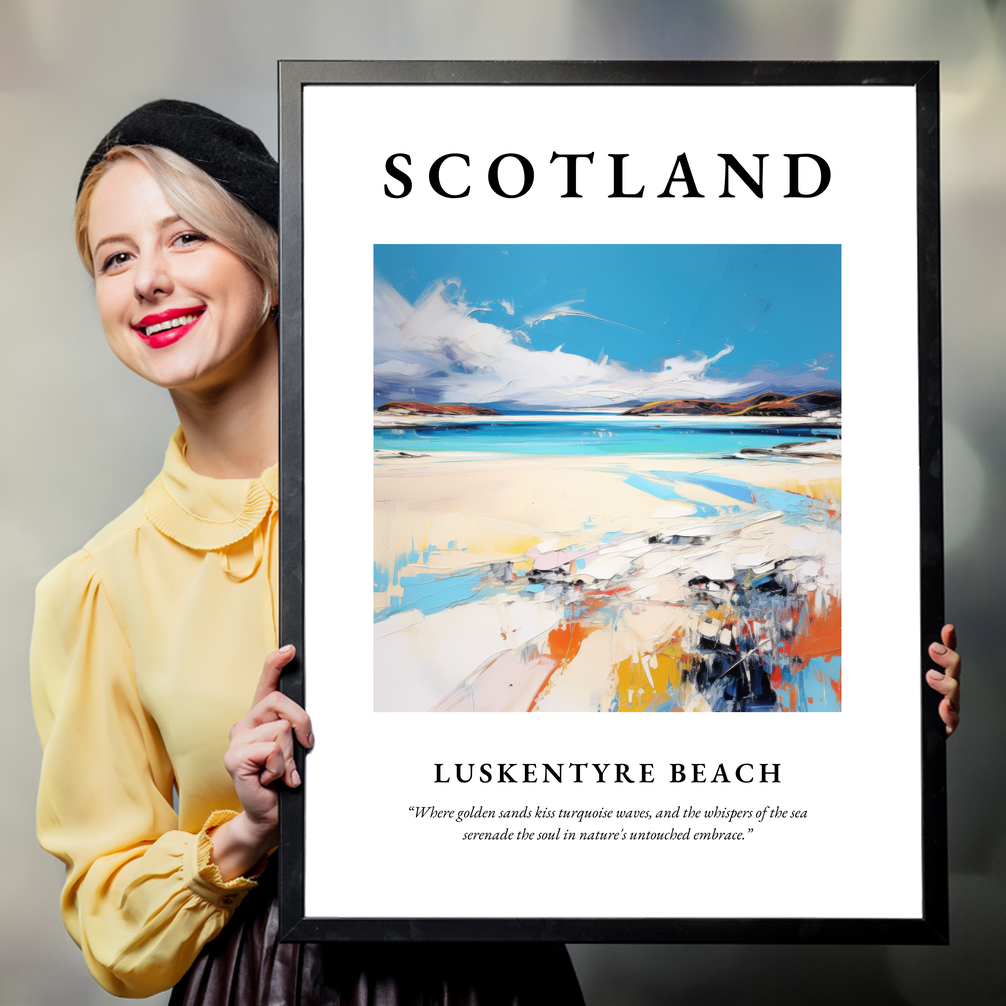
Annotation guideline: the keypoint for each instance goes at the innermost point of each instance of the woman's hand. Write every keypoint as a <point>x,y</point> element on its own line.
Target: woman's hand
<point>947,682</point>
<point>260,753</point>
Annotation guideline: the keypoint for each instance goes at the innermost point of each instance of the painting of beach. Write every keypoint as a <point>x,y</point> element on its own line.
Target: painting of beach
<point>607,478</point>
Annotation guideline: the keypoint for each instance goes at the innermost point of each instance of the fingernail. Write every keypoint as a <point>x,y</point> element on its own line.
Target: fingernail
<point>310,740</point>
<point>295,777</point>
<point>938,648</point>
<point>287,649</point>
<point>936,675</point>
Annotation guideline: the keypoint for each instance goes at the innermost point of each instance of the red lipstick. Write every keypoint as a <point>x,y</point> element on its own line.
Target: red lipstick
<point>166,327</point>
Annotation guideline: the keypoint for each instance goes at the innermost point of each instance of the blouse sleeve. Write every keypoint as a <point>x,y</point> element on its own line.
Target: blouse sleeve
<point>141,898</point>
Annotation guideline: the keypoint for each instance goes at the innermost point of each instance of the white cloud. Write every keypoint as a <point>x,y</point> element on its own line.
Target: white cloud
<point>568,311</point>
<point>436,350</point>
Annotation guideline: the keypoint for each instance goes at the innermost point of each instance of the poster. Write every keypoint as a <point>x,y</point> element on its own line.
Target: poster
<point>610,388</point>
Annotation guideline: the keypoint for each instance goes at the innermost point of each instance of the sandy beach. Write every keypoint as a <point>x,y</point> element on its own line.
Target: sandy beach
<point>508,582</point>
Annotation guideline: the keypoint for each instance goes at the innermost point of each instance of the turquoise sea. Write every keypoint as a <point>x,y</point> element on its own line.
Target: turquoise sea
<point>589,437</point>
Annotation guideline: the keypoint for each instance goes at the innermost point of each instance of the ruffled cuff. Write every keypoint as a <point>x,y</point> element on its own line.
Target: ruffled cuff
<point>202,877</point>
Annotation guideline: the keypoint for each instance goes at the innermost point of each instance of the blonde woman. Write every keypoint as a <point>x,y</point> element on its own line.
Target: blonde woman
<point>165,735</point>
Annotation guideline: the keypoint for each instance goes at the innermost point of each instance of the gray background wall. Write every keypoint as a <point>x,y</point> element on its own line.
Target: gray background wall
<point>82,436</point>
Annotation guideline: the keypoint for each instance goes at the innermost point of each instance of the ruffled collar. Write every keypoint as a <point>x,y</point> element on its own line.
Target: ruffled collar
<point>203,513</point>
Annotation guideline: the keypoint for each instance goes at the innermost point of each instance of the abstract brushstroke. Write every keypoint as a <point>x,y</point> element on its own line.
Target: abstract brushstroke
<point>676,556</point>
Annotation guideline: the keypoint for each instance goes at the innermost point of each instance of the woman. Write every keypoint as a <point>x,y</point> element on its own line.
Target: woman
<point>149,642</point>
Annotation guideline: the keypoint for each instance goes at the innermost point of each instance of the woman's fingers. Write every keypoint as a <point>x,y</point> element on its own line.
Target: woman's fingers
<point>274,766</point>
<point>949,688</point>
<point>270,703</point>
<point>278,735</point>
<point>261,749</point>
<point>277,706</point>
<point>948,659</point>
<point>950,716</point>
<point>271,671</point>
<point>947,680</point>
<point>257,760</point>
<point>946,685</point>
<point>949,636</point>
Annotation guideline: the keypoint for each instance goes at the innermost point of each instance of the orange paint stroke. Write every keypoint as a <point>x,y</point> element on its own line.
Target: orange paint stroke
<point>819,633</point>
<point>836,686</point>
<point>776,677</point>
<point>565,641</point>
<point>564,644</point>
<point>543,687</point>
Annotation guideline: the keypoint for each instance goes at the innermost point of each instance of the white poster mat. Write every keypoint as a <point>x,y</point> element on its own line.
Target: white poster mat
<point>857,773</point>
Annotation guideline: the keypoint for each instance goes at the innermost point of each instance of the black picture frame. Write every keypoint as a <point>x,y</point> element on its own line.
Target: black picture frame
<point>932,927</point>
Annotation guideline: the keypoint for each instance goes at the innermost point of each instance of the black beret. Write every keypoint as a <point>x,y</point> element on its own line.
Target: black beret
<point>230,154</point>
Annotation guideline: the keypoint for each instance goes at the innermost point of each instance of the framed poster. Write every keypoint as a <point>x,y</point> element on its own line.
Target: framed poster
<point>620,385</point>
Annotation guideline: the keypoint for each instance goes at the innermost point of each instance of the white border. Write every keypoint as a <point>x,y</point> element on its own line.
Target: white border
<point>858,772</point>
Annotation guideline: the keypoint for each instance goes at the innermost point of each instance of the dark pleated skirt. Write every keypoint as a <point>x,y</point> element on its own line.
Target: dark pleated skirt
<point>246,965</point>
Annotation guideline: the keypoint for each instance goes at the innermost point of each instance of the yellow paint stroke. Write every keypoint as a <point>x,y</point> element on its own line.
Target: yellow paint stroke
<point>644,676</point>
<point>819,489</point>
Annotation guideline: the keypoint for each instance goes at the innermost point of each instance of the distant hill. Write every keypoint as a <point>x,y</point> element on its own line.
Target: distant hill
<point>426,409</point>
<point>768,404</point>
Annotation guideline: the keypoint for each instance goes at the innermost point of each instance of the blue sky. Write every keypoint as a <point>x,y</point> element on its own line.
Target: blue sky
<point>714,319</point>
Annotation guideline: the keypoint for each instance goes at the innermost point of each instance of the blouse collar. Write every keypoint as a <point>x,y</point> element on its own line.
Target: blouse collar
<point>203,513</point>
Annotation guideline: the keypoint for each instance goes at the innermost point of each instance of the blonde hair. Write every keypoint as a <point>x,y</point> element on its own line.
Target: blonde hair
<point>199,200</point>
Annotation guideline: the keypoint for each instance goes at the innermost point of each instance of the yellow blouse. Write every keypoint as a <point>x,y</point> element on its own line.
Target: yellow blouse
<point>147,647</point>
